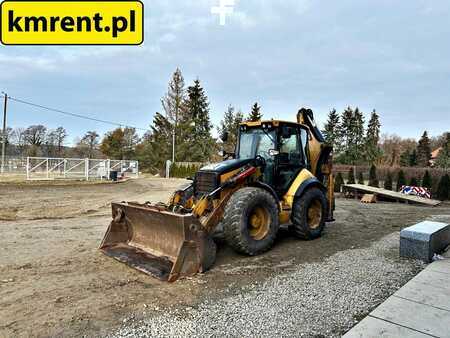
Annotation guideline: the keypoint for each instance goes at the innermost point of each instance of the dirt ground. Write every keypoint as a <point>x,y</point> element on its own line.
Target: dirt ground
<point>54,281</point>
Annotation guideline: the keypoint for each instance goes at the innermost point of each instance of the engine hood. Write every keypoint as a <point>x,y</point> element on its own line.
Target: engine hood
<point>226,166</point>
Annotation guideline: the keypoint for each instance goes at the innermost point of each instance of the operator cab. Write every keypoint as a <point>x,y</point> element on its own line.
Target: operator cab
<point>283,146</point>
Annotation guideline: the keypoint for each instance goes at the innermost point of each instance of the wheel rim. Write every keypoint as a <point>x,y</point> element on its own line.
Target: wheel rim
<point>314,214</point>
<point>259,223</point>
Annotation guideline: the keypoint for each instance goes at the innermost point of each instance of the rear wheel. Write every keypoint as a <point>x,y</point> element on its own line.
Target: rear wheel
<point>308,214</point>
<point>251,221</point>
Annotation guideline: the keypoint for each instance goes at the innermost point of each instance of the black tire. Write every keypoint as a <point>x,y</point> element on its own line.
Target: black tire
<point>240,230</point>
<point>306,225</point>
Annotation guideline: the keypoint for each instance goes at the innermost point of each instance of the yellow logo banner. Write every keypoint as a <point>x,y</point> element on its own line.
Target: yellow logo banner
<point>72,22</point>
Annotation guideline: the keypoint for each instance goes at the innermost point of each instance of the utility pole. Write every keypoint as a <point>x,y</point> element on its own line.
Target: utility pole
<point>4,134</point>
<point>174,131</point>
<point>173,144</point>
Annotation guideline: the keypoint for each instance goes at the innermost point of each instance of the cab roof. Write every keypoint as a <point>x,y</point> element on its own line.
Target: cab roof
<point>275,123</point>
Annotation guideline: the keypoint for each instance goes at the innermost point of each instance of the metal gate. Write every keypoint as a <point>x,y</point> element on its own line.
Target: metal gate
<point>48,168</point>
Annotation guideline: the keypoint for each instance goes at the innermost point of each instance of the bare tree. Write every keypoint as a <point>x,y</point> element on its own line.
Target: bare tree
<point>60,135</point>
<point>51,143</point>
<point>131,139</point>
<point>90,140</point>
<point>35,135</point>
<point>7,136</point>
<point>18,139</point>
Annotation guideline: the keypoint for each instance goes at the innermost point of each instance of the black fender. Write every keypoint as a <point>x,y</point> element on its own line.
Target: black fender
<point>309,183</point>
<point>312,182</point>
<point>268,188</point>
<point>323,158</point>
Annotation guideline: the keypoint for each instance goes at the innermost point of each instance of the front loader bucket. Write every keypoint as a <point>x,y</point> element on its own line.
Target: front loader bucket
<point>163,244</point>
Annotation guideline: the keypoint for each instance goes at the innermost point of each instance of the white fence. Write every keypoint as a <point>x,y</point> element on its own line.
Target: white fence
<point>46,168</point>
<point>15,165</point>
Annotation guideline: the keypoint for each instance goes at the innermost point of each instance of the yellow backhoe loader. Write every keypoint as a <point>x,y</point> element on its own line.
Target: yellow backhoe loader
<point>280,174</point>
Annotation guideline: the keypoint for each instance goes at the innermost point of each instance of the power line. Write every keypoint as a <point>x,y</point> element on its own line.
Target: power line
<point>71,114</point>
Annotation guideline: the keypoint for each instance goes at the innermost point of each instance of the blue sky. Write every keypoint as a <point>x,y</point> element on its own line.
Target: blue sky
<point>389,55</point>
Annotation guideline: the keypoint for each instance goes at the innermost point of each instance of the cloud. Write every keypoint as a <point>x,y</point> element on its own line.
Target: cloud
<point>387,55</point>
<point>26,62</point>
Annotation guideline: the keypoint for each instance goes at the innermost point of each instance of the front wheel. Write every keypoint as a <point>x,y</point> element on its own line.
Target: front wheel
<point>251,221</point>
<point>308,214</point>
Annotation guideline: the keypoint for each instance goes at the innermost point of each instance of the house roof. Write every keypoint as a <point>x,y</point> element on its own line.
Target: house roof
<point>435,153</point>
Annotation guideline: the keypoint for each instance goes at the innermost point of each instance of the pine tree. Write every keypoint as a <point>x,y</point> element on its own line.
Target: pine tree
<point>238,119</point>
<point>373,152</point>
<point>388,181</point>
<point>255,114</point>
<point>338,182</point>
<point>230,125</point>
<point>358,132</point>
<point>352,128</point>
<point>413,158</point>
<point>198,144</point>
<point>427,181</point>
<point>332,131</point>
<point>408,158</point>
<point>156,147</point>
<point>361,178</point>
<point>443,192</point>
<point>113,144</point>
<point>401,179</point>
<point>443,160</point>
<point>351,176</point>
<point>424,151</point>
<point>414,182</point>
<point>373,180</point>
<point>347,134</point>
<point>131,140</point>
<point>174,106</point>
<point>405,158</point>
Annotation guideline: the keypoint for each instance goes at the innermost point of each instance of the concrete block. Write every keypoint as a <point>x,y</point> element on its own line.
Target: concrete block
<point>423,240</point>
<point>423,318</point>
<point>371,327</point>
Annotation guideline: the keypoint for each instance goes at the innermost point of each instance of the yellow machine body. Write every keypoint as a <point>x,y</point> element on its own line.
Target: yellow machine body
<point>175,239</point>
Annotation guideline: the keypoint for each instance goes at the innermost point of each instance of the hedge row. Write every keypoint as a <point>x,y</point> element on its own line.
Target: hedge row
<point>184,171</point>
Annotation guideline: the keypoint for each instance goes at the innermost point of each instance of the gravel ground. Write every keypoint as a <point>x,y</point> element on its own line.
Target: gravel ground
<point>320,299</point>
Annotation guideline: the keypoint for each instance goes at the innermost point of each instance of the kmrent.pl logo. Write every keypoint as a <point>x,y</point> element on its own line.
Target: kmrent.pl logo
<point>72,22</point>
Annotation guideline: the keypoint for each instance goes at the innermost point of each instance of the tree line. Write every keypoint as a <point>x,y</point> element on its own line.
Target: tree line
<point>355,143</point>
<point>185,120</point>
<point>38,140</point>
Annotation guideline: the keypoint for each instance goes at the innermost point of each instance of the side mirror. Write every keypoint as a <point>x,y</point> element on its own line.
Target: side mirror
<point>224,137</point>
<point>273,152</point>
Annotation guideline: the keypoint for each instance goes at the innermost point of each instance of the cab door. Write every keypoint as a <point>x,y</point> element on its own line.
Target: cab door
<point>292,157</point>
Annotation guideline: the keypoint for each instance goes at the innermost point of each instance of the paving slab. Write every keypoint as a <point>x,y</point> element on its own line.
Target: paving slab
<point>434,278</point>
<point>432,295</point>
<point>419,317</point>
<point>442,266</point>
<point>371,327</point>
<point>420,308</point>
